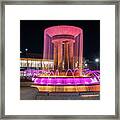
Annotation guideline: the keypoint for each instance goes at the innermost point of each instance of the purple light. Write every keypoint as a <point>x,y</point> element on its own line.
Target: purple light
<point>94,78</point>
<point>65,81</point>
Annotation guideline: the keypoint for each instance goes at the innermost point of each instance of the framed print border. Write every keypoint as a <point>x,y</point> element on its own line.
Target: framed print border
<point>69,2</point>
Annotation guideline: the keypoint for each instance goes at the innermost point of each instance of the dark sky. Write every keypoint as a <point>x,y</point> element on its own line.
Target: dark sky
<point>32,35</point>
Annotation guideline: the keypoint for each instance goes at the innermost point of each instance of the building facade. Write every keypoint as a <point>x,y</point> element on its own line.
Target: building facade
<point>36,63</point>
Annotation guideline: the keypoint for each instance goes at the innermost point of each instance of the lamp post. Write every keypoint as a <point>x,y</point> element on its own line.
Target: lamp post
<point>22,73</point>
<point>20,61</point>
<point>27,56</point>
<point>97,62</point>
<point>86,64</point>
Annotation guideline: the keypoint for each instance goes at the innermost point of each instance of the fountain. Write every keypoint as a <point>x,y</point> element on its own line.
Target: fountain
<point>64,45</point>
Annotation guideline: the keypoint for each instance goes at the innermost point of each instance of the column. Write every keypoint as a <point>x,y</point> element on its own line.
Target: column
<point>55,55</point>
<point>77,55</point>
<point>81,52</point>
<point>71,55</point>
<point>66,55</point>
<point>60,55</point>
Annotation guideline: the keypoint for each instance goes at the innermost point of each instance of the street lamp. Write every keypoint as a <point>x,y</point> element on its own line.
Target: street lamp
<point>26,49</point>
<point>27,56</point>
<point>20,57</point>
<point>97,61</point>
<point>85,64</point>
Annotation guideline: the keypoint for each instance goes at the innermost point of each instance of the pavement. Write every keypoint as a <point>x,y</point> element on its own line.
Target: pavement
<point>29,93</point>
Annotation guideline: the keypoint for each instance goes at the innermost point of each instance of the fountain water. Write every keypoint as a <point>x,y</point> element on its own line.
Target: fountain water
<point>54,78</point>
<point>68,73</point>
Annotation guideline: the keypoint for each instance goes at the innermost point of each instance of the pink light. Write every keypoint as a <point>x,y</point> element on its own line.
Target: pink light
<point>63,29</point>
<point>75,36</point>
<point>65,81</point>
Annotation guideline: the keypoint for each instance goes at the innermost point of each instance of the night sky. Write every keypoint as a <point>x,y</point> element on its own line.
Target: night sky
<point>32,35</point>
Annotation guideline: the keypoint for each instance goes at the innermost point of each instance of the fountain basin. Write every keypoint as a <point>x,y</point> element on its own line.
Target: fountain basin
<point>68,89</point>
<point>65,81</point>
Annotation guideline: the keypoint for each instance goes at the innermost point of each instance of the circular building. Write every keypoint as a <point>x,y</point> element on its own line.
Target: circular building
<point>64,44</point>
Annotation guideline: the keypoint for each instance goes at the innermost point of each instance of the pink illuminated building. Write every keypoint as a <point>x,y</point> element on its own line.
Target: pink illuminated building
<point>64,44</point>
